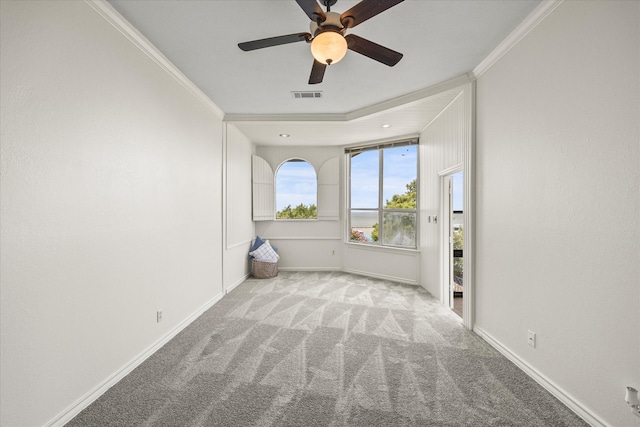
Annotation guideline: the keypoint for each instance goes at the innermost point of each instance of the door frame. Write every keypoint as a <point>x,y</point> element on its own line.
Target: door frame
<point>446,254</point>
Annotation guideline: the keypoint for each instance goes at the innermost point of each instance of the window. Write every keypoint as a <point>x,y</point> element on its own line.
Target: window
<point>383,190</point>
<point>296,190</point>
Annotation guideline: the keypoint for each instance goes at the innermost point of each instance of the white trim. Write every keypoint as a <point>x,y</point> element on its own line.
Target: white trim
<point>75,408</point>
<point>381,276</point>
<point>105,10</point>
<point>265,118</point>
<point>557,391</point>
<point>302,238</point>
<point>469,221</point>
<point>381,248</point>
<point>382,141</point>
<point>529,23</point>
<point>453,169</point>
<point>404,100</point>
<point>235,245</point>
<point>385,106</point>
<point>444,227</point>
<point>297,219</point>
<point>225,201</point>
<point>461,93</point>
<point>237,283</point>
<point>309,268</point>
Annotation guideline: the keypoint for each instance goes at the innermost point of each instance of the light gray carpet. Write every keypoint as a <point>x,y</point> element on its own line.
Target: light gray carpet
<point>327,349</point>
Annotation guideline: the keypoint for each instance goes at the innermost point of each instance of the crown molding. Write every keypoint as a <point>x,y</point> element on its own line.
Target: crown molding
<point>266,118</point>
<point>529,23</point>
<point>106,11</point>
<point>382,107</point>
<point>409,98</point>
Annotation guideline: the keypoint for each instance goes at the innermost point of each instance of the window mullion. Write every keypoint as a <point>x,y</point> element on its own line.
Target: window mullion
<point>403,223</point>
<point>380,195</point>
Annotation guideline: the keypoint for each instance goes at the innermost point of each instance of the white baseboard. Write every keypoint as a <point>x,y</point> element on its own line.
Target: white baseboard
<point>381,276</point>
<point>74,409</point>
<point>545,382</point>
<point>237,283</point>
<point>309,268</point>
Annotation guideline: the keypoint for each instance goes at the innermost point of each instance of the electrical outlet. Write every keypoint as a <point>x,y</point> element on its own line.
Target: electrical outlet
<point>159,316</point>
<point>531,338</point>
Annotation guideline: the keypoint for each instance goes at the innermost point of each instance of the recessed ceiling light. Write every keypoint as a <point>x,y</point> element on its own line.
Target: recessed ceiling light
<point>386,126</point>
<point>285,135</point>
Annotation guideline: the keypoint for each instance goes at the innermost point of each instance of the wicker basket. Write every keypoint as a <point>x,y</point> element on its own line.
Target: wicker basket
<point>264,270</point>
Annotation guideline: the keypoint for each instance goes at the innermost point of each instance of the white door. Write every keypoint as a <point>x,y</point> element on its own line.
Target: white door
<point>449,231</point>
<point>456,233</point>
<point>453,240</point>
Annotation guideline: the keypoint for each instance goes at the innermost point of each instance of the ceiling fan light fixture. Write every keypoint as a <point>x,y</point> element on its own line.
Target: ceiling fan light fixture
<point>329,47</point>
<point>327,38</point>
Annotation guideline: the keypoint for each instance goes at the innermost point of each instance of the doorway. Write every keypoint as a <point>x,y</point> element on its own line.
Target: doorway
<point>453,241</point>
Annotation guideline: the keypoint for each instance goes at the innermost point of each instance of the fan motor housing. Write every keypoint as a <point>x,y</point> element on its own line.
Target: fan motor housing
<point>333,20</point>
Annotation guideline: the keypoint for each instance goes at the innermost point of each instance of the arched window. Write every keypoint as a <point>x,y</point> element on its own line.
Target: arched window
<point>296,190</point>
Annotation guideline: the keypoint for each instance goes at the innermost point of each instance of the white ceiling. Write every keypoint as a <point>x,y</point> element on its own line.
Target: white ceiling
<point>440,39</point>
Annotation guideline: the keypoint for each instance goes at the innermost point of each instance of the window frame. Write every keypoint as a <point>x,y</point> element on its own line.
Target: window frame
<point>275,190</point>
<point>380,209</point>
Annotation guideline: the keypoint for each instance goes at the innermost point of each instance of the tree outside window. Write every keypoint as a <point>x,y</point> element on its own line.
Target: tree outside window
<point>388,198</point>
<point>296,190</point>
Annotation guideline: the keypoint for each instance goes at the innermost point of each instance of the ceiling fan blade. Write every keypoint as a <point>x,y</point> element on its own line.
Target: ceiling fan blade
<point>364,10</point>
<point>373,50</point>
<point>274,41</point>
<point>312,9</point>
<point>317,72</point>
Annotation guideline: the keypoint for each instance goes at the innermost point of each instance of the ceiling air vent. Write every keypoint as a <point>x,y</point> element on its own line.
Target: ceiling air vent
<point>306,94</point>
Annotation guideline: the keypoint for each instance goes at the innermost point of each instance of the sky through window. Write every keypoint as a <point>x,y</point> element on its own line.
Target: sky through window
<point>296,183</point>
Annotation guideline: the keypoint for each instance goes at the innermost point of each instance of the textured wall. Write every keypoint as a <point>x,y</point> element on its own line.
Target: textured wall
<point>442,146</point>
<point>111,205</point>
<point>558,195</point>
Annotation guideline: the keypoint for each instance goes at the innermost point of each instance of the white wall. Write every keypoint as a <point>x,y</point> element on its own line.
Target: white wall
<point>442,146</point>
<point>239,226</point>
<point>303,244</point>
<point>319,245</point>
<point>399,265</point>
<point>111,206</point>
<point>558,196</point>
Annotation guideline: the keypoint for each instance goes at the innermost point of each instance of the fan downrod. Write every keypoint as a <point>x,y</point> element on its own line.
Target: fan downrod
<point>328,4</point>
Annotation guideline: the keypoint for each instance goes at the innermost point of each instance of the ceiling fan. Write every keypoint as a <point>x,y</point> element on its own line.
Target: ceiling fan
<point>327,36</point>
